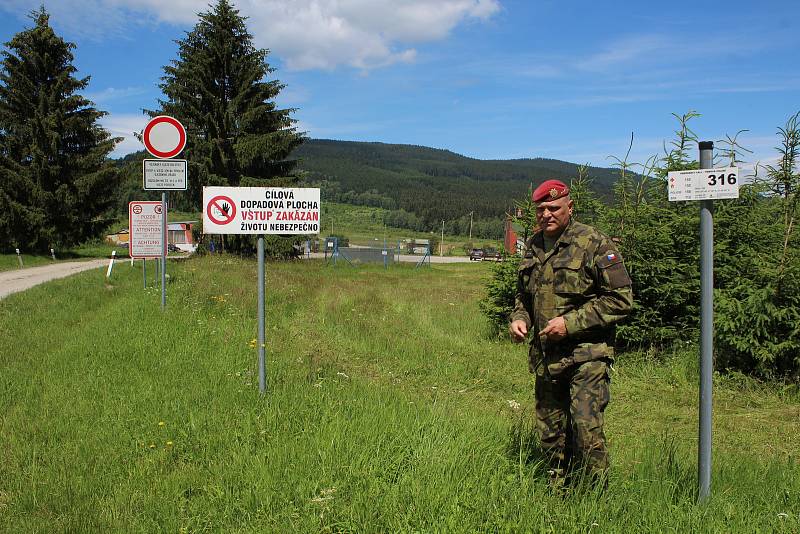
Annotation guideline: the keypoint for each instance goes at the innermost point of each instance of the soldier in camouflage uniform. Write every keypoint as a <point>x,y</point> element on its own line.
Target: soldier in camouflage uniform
<point>572,289</point>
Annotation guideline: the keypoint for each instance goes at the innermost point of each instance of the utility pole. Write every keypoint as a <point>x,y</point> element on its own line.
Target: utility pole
<point>441,244</point>
<point>470,225</point>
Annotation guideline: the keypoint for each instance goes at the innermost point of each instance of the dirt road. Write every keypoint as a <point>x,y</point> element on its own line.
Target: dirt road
<point>22,279</point>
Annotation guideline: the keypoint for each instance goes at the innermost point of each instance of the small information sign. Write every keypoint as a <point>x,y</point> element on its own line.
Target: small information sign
<point>164,174</point>
<point>704,184</point>
<point>261,210</point>
<point>146,229</point>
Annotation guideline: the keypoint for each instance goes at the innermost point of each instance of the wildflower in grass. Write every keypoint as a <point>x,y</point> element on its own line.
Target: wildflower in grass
<point>783,515</point>
<point>324,495</point>
<point>161,423</point>
<point>514,405</point>
<point>169,444</point>
<point>342,374</point>
<point>152,445</point>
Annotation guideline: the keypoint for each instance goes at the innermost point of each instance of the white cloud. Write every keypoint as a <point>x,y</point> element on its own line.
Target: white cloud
<point>306,34</point>
<point>113,93</point>
<point>122,125</point>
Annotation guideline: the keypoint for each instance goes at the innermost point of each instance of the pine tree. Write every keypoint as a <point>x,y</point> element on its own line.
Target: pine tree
<point>219,89</point>
<point>56,184</point>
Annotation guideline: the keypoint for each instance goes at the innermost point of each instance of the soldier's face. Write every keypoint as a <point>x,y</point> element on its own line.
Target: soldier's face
<point>553,216</point>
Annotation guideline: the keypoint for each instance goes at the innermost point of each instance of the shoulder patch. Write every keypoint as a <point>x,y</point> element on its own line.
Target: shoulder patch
<point>614,270</point>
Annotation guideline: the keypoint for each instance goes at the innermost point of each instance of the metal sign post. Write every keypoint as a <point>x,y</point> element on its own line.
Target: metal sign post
<point>706,328</point>
<point>706,185</point>
<point>164,137</point>
<point>259,211</point>
<point>262,364</point>
<point>164,254</point>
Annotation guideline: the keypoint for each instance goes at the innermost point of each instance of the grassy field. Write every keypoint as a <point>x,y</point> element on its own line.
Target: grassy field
<point>389,409</point>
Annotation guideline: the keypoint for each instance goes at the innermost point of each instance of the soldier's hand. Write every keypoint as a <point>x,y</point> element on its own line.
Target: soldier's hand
<point>556,329</point>
<point>518,330</point>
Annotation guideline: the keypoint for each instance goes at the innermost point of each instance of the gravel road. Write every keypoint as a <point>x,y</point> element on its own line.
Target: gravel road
<point>22,279</point>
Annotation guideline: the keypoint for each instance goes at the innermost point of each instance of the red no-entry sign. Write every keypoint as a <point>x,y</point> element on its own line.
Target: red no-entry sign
<point>221,209</point>
<point>164,137</point>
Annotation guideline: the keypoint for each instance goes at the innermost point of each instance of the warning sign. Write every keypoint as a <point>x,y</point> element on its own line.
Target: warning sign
<point>261,210</point>
<point>221,210</point>
<point>145,229</point>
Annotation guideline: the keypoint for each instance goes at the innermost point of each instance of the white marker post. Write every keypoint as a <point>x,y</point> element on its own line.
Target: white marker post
<point>19,259</point>
<point>53,254</point>
<point>259,211</point>
<point>111,263</point>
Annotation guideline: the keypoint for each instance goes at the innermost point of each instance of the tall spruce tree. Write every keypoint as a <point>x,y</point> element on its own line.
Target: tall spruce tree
<point>219,88</point>
<point>56,185</point>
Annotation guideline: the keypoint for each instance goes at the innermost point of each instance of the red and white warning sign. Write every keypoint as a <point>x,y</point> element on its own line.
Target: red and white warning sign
<point>164,137</point>
<point>145,229</point>
<point>261,210</point>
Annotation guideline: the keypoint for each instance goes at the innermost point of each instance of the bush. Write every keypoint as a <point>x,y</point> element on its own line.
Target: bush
<point>500,293</point>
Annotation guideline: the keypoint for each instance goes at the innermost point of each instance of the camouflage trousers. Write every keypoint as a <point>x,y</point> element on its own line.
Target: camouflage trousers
<point>569,417</point>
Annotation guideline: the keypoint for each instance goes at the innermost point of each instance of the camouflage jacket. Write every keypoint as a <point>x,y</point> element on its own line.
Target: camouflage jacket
<point>582,279</point>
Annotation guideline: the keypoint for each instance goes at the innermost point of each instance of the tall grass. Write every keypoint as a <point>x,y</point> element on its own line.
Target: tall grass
<point>389,409</point>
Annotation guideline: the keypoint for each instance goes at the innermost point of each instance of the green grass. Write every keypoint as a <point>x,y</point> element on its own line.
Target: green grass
<point>387,411</point>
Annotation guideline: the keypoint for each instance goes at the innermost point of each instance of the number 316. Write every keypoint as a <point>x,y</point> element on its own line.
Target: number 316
<point>721,179</point>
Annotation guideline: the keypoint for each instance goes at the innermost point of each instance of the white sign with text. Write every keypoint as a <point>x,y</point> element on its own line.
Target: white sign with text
<point>146,229</point>
<point>703,184</point>
<point>261,210</point>
<point>164,174</point>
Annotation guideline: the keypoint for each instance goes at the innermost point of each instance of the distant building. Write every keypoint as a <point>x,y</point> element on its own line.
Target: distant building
<point>118,238</point>
<point>179,233</point>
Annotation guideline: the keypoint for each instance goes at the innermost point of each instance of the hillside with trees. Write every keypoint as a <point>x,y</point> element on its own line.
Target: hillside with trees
<point>424,186</point>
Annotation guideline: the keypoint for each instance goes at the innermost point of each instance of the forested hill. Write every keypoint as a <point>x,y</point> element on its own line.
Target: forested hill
<point>433,184</point>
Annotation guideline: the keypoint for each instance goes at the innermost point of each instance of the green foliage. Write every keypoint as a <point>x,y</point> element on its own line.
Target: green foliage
<point>219,88</point>
<point>659,241</point>
<point>56,186</point>
<point>500,291</point>
<point>423,186</point>
<point>758,317</point>
<point>588,207</point>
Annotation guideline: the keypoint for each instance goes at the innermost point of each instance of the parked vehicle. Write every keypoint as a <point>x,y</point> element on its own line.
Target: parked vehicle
<point>476,254</point>
<point>492,255</point>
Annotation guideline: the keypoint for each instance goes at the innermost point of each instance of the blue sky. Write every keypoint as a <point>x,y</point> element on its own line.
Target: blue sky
<point>484,78</point>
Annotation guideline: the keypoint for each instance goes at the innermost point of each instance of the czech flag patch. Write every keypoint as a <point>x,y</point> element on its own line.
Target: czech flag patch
<point>611,257</point>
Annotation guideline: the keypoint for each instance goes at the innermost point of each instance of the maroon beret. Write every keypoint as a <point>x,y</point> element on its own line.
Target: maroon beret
<point>550,190</point>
